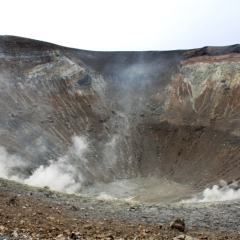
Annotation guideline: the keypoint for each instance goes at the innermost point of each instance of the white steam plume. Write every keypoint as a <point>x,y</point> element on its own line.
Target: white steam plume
<point>110,152</point>
<point>223,193</point>
<point>60,175</point>
<point>7,164</point>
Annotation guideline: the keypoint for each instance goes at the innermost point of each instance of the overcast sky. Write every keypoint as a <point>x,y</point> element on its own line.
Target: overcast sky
<point>113,25</point>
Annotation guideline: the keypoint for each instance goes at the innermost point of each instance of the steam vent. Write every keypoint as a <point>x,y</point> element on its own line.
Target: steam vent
<point>151,126</point>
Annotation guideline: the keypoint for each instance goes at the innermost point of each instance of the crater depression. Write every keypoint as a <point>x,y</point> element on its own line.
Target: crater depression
<point>148,126</point>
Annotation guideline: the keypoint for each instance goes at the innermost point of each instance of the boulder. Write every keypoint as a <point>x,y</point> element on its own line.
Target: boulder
<point>178,223</point>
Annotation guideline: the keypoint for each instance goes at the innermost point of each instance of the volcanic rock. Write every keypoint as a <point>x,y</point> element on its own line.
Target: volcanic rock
<point>178,223</point>
<point>185,237</point>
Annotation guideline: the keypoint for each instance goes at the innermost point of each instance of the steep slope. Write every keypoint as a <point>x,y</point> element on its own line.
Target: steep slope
<point>151,121</point>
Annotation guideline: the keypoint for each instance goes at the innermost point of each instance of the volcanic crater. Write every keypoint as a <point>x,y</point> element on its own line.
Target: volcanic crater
<point>148,126</point>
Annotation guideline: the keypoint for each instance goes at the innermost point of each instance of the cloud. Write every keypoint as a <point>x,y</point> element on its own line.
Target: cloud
<point>125,25</point>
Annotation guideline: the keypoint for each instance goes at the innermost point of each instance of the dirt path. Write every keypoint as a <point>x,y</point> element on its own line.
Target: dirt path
<point>38,213</point>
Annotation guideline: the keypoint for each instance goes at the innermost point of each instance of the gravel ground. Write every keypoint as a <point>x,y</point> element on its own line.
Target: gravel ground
<point>39,213</point>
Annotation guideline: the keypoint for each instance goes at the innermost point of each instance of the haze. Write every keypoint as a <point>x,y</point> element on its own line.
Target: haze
<point>124,25</point>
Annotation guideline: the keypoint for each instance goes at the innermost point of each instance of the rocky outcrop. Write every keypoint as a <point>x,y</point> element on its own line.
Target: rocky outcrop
<point>166,115</point>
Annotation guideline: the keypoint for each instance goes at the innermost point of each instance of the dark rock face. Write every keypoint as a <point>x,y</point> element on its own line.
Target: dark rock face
<point>166,115</point>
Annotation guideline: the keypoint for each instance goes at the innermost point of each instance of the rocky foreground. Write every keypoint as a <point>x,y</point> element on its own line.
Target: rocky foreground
<point>39,213</point>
